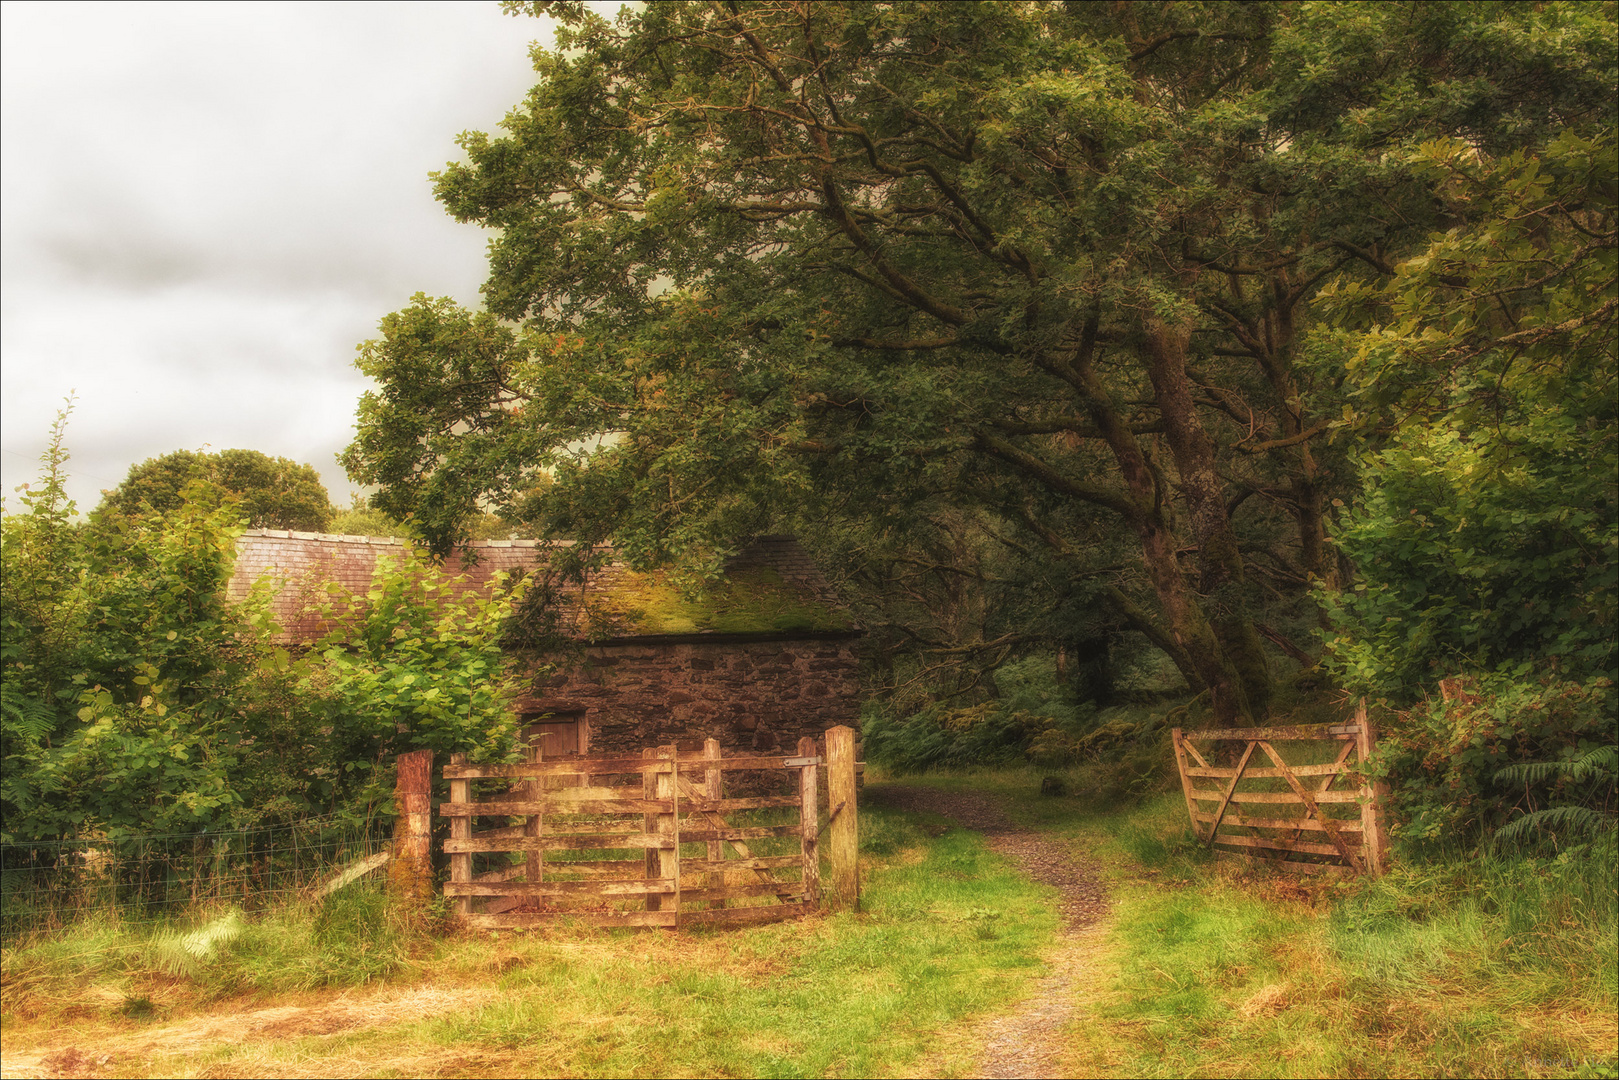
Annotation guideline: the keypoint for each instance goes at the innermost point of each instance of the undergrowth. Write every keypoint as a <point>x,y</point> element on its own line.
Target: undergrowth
<point>353,937</point>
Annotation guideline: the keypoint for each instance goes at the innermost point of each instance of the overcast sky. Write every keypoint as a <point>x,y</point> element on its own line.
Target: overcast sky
<point>204,207</point>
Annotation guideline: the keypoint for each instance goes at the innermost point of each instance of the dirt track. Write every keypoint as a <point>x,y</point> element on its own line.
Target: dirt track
<point>80,1057</point>
<point>1027,1042</point>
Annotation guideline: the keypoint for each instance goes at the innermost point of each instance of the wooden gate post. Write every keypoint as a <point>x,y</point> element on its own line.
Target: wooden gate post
<point>843,818</point>
<point>809,821</point>
<point>410,878</point>
<point>712,788</point>
<point>461,829</point>
<point>669,827</point>
<point>1374,844</point>
<point>534,824</point>
<point>649,825</point>
<point>1186,781</point>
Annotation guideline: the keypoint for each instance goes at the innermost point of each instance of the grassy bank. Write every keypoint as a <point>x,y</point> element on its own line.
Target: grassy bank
<point>947,931</point>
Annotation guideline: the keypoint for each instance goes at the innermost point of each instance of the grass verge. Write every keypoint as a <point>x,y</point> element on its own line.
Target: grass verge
<point>948,930</point>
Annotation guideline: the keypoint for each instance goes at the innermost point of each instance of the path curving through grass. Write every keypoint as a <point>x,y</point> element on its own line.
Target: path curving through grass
<point>1030,1040</point>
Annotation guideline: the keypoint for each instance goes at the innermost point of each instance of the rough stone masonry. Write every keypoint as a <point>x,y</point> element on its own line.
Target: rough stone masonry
<point>755,667</point>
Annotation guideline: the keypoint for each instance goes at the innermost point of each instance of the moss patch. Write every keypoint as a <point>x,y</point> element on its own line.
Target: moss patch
<point>747,602</point>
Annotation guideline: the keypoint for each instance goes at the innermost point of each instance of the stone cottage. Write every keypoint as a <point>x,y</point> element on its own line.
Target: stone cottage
<point>756,661</point>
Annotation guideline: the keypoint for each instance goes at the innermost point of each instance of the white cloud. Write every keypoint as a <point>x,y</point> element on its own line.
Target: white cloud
<point>206,206</point>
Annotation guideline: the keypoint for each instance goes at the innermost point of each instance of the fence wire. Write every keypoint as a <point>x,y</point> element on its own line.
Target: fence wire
<point>159,876</point>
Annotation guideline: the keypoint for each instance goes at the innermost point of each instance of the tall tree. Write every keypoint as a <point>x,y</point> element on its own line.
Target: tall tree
<point>274,493</point>
<point>1050,260</point>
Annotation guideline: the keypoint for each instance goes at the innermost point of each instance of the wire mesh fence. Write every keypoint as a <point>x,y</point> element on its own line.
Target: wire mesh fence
<point>156,877</point>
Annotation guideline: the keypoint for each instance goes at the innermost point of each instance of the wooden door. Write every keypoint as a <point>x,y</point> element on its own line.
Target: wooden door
<point>557,735</point>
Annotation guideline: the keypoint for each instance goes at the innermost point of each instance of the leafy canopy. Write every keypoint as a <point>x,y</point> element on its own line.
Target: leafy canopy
<point>273,493</point>
<point>1054,265</point>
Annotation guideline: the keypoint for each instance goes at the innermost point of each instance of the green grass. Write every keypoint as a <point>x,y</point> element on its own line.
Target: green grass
<point>848,995</point>
<point>1464,966</point>
<point>1472,965</point>
<point>947,930</point>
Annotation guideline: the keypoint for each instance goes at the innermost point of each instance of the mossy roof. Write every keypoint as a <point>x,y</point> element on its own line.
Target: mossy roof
<point>756,600</point>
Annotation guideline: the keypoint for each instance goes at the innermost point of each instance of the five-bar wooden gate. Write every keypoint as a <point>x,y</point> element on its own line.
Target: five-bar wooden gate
<point>614,841</point>
<point>1288,814</point>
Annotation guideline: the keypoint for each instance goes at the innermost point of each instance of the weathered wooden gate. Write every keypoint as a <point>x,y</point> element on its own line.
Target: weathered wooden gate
<point>613,841</point>
<point>1290,815</point>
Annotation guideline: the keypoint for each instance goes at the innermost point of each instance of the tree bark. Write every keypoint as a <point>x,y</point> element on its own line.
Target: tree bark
<point>1219,559</point>
<point>1197,647</point>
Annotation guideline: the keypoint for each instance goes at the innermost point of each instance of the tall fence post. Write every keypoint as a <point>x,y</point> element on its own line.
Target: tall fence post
<point>534,824</point>
<point>669,829</point>
<point>1373,841</point>
<point>713,788</point>
<point>844,823</point>
<point>410,877</point>
<point>809,820</point>
<point>461,829</point>
<point>649,825</point>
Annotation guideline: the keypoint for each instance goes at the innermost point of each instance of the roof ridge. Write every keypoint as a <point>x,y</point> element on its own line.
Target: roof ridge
<point>355,538</point>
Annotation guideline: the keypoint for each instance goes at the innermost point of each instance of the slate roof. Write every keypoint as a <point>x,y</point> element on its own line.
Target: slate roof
<point>772,588</point>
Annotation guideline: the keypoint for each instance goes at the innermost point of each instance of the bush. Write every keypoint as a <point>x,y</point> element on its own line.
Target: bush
<point>136,699</point>
<point>1111,755</point>
<point>1034,719</point>
<point>1461,768</point>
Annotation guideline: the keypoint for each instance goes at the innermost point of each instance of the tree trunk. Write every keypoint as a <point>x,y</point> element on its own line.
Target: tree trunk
<point>1276,359</point>
<point>1197,647</point>
<point>1219,559</point>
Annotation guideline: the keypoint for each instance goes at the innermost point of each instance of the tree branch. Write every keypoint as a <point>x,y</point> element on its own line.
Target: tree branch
<point>1027,463</point>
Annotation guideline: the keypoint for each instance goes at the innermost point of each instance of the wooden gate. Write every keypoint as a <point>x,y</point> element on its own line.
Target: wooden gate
<point>633,841</point>
<point>1288,814</point>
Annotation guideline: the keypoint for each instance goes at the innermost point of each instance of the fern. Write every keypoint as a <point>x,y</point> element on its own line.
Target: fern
<point>25,718</point>
<point>1602,761</point>
<point>1597,764</point>
<point>183,953</point>
<point>1571,820</point>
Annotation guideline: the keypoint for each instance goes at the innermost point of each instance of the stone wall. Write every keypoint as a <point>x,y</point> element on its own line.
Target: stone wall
<point>750,695</point>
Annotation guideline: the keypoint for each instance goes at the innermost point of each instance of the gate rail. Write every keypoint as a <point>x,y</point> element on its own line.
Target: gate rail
<point>1344,827</point>
<point>605,853</point>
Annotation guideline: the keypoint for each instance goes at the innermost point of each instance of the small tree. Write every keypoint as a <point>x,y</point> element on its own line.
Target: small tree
<point>273,493</point>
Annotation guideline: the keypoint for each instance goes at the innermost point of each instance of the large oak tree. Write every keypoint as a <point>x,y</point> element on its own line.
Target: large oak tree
<point>1053,263</point>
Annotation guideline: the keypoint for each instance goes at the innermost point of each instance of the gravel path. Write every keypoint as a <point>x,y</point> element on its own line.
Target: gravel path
<point>1027,1042</point>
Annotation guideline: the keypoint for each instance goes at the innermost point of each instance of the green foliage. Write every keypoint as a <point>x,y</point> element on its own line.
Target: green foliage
<point>1051,268</point>
<point>1459,769</point>
<point>966,304</point>
<point>1035,719</point>
<point>1470,564</point>
<point>137,699</point>
<point>274,493</point>
<point>121,637</point>
<point>1595,771</point>
<point>362,519</point>
<point>415,663</point>
<point>1482,374</point>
